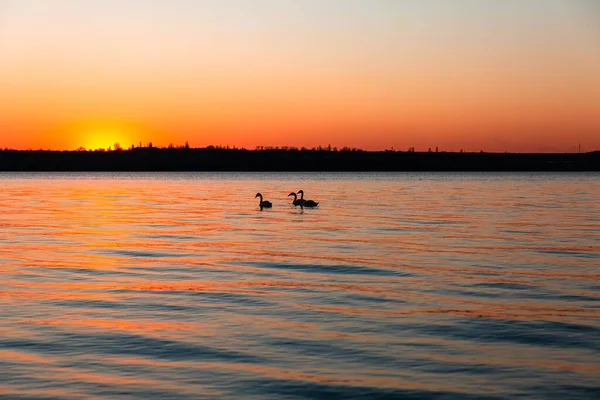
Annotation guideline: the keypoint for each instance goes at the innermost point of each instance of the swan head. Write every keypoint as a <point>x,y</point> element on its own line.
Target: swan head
<point>300,191</point>
<point>258,195</point>
<point>292,194</point>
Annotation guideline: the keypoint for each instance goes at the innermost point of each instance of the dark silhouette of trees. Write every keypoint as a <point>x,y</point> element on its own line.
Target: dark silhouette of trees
<point>219,158</point>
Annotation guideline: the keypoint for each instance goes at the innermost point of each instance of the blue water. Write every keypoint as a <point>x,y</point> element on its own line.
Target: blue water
<point>416,286</point>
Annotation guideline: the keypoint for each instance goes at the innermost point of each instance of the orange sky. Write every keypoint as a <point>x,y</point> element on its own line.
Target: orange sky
<point>513,75</point>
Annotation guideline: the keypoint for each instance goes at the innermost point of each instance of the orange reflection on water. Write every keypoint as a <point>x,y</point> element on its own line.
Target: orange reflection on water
<point>393,280</point>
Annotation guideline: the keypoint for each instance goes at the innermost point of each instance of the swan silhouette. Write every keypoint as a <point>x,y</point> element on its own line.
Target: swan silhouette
<point>306,203</point>
<point>296,201</point>
<point>263,203</point>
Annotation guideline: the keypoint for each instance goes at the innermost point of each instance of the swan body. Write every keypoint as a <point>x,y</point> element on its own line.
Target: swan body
<point>306,203</point>
<point>263,203</point>
<point>296,201</point>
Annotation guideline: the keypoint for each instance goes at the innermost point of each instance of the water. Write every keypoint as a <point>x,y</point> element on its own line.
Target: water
<point>418,286</point>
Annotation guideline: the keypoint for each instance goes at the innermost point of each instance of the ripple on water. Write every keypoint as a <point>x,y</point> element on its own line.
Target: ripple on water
<point>416,286</point>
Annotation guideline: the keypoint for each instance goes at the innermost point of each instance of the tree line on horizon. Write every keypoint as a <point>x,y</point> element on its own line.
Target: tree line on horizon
<point>224,158</point>
<point>186,146</point>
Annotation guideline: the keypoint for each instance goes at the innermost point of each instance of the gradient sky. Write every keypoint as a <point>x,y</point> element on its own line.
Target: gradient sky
<point>515,75</point>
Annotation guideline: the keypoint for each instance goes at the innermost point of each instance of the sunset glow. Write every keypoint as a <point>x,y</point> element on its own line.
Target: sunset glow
<point>104,138</point>
<point>473,75</point>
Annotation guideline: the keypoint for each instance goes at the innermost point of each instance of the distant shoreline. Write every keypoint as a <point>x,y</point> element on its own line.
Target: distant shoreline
<point>274,160</point>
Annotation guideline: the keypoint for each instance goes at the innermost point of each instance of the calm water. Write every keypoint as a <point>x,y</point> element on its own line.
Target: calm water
<point>421,286</point>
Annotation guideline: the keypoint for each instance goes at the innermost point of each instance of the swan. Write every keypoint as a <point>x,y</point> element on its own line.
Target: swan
<point>263,203</point>
<point>306,203</point>
<point>296,201</point>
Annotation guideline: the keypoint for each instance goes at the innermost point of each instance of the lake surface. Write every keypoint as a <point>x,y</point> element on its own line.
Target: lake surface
<point>417,286</point>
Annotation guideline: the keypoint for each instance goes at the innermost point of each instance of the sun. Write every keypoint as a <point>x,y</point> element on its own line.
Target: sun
<point>105,138</point>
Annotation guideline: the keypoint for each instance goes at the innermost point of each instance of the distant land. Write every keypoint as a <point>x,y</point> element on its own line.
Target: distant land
<point>277,159</point>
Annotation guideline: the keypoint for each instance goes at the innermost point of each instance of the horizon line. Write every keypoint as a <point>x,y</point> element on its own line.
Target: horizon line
<point>327,148</point>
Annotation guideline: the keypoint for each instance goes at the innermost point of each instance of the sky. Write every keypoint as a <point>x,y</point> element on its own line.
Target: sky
<point>511,75</point>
